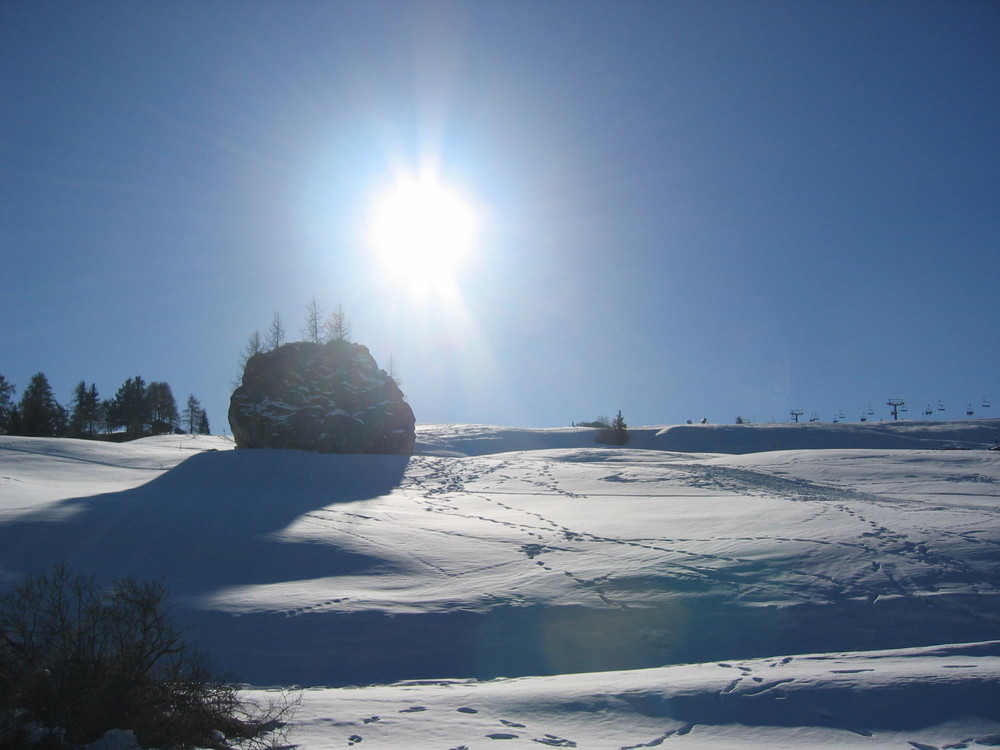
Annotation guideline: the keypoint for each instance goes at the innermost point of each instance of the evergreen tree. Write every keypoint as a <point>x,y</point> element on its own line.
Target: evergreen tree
<point>203,424</point>
<point>616,433</point>
<point>130,407</point>
<point>192,416</point>
<point>337,327</point>
<point>276,333</point>
<point>7,407</point>
<point>162,408</point>
<point>40,413</point>
<point>108,412</point>
<point>85,413</point>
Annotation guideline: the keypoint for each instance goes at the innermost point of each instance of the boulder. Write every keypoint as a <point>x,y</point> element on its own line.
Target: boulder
<point>327,398</point>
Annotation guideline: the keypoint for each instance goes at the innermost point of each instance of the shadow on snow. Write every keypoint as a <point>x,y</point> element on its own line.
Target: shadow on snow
<point>206,524</point>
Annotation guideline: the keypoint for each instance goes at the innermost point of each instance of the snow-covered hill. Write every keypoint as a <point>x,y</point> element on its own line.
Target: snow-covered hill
<point>584,578</point>
<point>474,440</point>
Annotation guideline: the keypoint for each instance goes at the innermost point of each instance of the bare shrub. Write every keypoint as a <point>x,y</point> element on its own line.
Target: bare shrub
<point>87,660</point>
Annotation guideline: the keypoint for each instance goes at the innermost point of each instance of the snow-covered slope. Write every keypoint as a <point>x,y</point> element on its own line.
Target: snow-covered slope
<point>475,440</point>
<point>555,557</point>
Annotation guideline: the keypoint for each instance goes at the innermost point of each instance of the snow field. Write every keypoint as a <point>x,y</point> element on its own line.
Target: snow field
<point>566,595</point>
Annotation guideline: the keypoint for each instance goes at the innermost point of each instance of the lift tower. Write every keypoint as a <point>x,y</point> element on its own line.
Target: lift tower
<point>895,403</point>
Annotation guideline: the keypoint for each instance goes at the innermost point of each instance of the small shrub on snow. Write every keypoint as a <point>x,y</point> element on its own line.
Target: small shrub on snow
<point>87,660</point>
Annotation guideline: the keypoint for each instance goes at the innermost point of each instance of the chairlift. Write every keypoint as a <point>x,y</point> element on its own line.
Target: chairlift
<point>871,412</point>
<point>986,403</point>
<point>940,406</point>
<point>814,417</point>
<point>864,417</point>
<point>970,412</point>
<point>928,411</point>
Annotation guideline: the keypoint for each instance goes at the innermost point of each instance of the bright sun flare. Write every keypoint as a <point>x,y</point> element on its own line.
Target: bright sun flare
<point>421,231</point>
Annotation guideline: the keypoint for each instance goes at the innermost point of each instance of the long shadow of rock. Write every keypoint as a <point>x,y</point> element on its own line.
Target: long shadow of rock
<point>206,524</point>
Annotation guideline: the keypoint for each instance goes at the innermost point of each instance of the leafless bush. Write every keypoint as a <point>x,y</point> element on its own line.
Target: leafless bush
<point>88,660</point>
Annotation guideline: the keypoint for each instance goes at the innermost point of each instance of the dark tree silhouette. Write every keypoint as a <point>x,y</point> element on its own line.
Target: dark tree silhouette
<point>130,407</point>
<point>162,408</point>
<point>7,407</point>
<point>616,433</point>
<point>40,413</point>
<point>86,414</point>
<point>193,414</point>
<point>203,428</point>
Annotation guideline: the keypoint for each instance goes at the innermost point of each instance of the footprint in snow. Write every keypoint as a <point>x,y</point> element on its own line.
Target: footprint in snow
<point>513,724</point>
<point>467,710</point>
<point>354,739</point>
<point>501,736</point>
<point>371,719</point>
<point>412,709</point>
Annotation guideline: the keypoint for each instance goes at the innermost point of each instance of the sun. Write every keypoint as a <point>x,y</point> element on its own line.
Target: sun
<point>421,231</point>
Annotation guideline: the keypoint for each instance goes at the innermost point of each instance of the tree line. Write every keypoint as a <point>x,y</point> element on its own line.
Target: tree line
<point>137,409</point>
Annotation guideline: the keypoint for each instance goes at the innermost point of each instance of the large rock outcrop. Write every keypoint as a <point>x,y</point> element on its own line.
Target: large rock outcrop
<point>328,398</point>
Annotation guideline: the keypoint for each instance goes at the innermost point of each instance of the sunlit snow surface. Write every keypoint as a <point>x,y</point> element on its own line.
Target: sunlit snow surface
<point>529,586</point>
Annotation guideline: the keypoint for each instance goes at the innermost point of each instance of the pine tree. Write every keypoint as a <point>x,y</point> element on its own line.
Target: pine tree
<point>7,407</point>
<point>85,412</point>
<point>40,413</point>
<point>130,407</point>
<point>203,428</point>
<point>95,413</point>
<point>109,412</point>
<point>191,418</point>
<point>162,408</point>
<point>616,433</point>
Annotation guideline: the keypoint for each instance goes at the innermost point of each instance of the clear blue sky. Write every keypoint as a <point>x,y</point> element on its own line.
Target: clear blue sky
<point>687,209</point>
